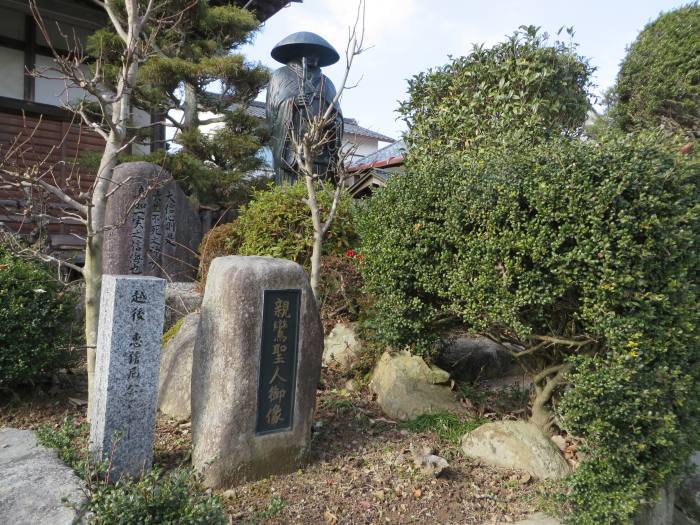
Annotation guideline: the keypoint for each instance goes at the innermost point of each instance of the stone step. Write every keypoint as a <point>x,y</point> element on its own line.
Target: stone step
<point>34,481</point>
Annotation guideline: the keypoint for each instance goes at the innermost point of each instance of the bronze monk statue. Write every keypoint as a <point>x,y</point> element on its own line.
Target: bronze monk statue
<point>296,93</point>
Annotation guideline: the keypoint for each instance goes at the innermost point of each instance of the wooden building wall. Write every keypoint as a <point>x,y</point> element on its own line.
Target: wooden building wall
<point>48,140</point>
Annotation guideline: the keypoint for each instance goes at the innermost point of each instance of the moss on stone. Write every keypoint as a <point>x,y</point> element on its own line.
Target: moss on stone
<point>172,332</point>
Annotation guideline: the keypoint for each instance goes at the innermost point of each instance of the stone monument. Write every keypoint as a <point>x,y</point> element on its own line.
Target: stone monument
<point>255,370</point>
<point>152,228</point>
<point>129,342</point>
<point>297,93</point>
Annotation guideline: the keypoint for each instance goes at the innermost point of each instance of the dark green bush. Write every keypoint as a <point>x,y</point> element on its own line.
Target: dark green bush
<point>37,318</point>
<point>277,223</point>
<point>659,79</point>
<point>585,255</point>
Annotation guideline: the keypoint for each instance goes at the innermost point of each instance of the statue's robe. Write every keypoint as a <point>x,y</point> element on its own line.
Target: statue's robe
<point>291,101</point>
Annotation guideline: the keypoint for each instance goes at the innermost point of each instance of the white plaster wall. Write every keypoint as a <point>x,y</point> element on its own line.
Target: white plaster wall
<point>53,89</point>
<point>12,78</point>
<point>363,146</point>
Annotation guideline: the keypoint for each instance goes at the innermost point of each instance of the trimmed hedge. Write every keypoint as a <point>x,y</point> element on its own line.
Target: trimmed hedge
<point>659,79</point>
<point>594,242</point>
<point>526,88</point>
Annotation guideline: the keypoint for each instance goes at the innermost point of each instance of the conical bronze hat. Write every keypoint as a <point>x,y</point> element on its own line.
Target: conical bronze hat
<point>305,43</point>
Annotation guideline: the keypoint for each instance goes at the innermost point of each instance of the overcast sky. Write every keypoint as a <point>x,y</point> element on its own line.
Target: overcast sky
<point>410,36</point>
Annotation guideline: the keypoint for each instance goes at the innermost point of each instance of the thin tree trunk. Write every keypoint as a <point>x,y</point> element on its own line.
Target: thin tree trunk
<point>317,245</point>
<point>541,413</point>
<point>93,257</point>
<point>189,107</point>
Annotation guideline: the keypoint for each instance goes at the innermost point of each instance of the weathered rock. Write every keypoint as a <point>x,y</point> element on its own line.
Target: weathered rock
<point>255,371</point>
<point>341,347</point>
<point>152,228</point>
<point>429,463</point>
<point>472,357</point>
<point>174,385</point>
<point>659,512</point>
<point>181,299</point>
<point>34,481</point>
<point>688,495</point>
<point>517,445</point>
<point>407,387</point>
<point>129,342</point>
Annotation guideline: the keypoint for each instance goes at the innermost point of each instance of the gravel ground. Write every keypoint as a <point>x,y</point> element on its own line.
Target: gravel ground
<point>361,468</point>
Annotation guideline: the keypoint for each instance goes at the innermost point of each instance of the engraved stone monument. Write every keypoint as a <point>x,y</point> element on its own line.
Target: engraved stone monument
<point>255,370</point>
<point>152,228</point>
<point>129,342</point>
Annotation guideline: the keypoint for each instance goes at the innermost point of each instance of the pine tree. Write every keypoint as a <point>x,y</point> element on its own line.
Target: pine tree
<point>199,69</point>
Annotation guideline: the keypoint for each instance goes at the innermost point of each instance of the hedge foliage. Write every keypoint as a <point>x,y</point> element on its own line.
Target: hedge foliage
<point>659,79</point>
<point>526,88</point>
<point>585,240</point>
<point>37,318</point>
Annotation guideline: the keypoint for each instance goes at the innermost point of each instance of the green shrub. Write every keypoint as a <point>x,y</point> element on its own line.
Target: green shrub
<point>219,241</point>
<point>37,318</point>
<point>526,88</point>
<point>277,223</point>
<point>659,79</point>
<point>585,255</point>
<point>340,294</point>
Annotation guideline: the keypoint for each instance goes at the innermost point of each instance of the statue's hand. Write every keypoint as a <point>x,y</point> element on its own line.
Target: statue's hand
<point>302,99</point>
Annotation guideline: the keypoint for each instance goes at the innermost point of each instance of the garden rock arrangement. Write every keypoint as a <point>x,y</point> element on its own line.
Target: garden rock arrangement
<point>406,387</point>
<point>516,445</point>
<point>174,384</point>
<point>34,481</point>
<point>341,346</point>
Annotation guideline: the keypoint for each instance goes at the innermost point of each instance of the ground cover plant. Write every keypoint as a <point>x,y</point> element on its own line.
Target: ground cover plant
<point>174,496</point>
